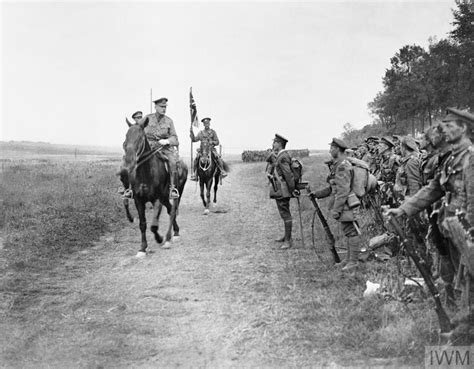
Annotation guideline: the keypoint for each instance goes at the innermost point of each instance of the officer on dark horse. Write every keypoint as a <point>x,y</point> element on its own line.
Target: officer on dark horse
<point>208,164</point>
<point>152,172</point>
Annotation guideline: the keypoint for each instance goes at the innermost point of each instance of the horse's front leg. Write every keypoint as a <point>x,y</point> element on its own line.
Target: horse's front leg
<point>201,187</point>
<point>171,208</point>
<point>157,207</point>
<point>208,192</point>
<point>216,184</point>
<point>140,205</point>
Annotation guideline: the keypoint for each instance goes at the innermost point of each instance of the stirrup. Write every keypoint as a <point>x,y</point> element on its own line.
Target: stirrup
<point>223,174</point>
<point>174,193</point>
<point>128,194</point>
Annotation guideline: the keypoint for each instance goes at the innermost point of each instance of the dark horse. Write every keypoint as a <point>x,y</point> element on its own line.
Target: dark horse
<point>208,172</point>
<point>148,177</point>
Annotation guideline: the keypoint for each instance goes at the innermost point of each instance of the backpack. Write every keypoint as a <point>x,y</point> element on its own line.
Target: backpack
<point>363,181</point>
<point>297,169</point>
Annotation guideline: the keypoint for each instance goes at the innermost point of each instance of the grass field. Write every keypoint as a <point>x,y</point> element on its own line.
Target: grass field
<point>54,209</point>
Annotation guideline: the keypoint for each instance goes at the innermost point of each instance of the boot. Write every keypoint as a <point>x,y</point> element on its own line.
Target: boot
<point>174,193</point>
<point>344,262</point>
<point>353,244</point>
<point>194,177</point>
<point>221,168</point>
<point>288,242</point>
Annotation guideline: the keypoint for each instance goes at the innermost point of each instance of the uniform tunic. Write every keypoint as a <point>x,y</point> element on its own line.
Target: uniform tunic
<point>339,188</point>
<point>284,176</point>
<point>162,127</point>
<point>206,136</point>
<point>408,176</point>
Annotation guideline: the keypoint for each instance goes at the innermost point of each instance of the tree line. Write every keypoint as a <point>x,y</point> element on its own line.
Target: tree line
<point>421,83</point>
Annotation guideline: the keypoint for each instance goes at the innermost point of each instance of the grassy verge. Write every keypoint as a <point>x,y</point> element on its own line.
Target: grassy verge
<point>53,208</point>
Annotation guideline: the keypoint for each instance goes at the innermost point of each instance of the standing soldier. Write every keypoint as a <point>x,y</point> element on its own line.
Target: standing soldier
<point>408,177</point>
<point>363,152</point>
<point>387,170</point>
<point>340,179</point>
<point>454,185</point>
<point>283,183</point>
<point>373,157</point>
<point>209,136</point>
<point>160,131</point>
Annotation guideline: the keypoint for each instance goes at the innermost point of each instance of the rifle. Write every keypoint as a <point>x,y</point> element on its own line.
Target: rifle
<point>444,322</point>
<point>325,225</point>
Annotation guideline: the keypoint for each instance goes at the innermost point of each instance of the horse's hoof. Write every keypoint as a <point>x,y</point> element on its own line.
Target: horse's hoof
<point>166,245</point>
<point>176,238</point>
<point>206,212</point>
<point>140,254</point>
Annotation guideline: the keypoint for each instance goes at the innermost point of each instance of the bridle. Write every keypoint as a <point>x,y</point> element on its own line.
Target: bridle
<point>142,155</point>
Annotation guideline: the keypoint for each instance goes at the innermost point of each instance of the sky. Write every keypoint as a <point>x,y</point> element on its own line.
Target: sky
<point>72,71</point>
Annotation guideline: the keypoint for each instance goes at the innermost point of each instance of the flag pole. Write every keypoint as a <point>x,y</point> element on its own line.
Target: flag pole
<point>192,161</point>
<point>151,101</point>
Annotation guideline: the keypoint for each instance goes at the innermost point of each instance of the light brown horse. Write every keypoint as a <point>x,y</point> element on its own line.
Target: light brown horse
<point>145,173</point>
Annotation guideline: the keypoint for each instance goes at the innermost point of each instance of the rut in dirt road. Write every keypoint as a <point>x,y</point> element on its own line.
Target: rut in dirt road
<point>222,296</point>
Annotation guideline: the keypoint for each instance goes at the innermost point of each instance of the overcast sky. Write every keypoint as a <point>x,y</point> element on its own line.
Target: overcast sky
<point>72,71</point>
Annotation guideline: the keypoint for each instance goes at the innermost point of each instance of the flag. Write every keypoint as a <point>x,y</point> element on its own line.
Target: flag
<point>192,107</point>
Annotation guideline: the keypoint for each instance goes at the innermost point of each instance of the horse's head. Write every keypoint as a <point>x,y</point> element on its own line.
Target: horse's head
<point>205,153</point>
<point>135,143</point>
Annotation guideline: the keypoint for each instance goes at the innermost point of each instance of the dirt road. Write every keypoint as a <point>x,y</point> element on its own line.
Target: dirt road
<point>222,296</point>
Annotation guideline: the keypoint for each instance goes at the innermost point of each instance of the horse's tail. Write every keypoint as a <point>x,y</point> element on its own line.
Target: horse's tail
<point>226,166</point>
<point>127,210</point>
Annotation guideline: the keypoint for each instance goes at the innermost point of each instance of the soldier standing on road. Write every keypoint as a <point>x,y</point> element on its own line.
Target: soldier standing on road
<point>453,184</point>
<point>284,184</point>
<point>339,189</point>
<point>209,136</point>
<point>160,132</point>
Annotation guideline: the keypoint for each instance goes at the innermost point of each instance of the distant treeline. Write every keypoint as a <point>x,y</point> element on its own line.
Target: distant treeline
<point>262,155</point>
<point>421,83</point>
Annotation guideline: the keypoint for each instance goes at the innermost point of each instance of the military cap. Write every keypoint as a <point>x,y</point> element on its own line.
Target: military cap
<point>161,100</point>
<point>280,138</point>
<point>387,141</point>
<point>137,113</point>
<point>409,142</point>
<point>339,143</point>
<point>455,114</point>
<point>372,138</point>
<point>397,137</point>
<point>204,119</point>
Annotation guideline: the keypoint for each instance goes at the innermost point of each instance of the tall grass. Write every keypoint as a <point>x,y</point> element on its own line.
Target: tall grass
<point>53,208</point>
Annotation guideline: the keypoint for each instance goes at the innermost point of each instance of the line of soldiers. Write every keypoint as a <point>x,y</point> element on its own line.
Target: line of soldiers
<point>428,183</point>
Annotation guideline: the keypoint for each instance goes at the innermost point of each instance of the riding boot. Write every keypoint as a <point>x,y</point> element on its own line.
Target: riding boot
<point>353,244</point>
<point>288,242</point>
<point>194,176</point>
<point>174,193</point>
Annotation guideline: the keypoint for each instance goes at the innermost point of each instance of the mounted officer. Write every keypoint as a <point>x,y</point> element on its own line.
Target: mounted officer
<point>339,189</point>
<point>209,136</point>
<point>160,132</point>
<point>453,184</point>
<point>283,185</point>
